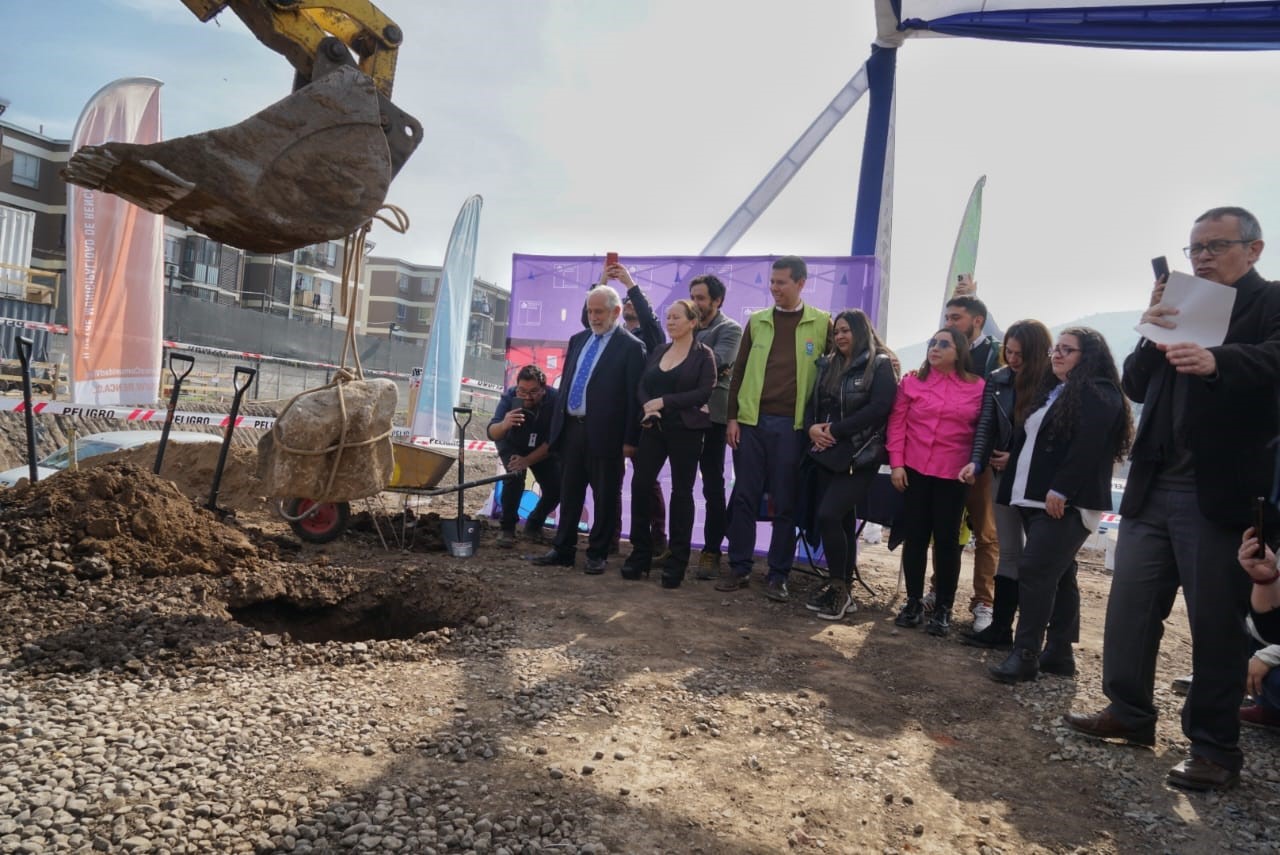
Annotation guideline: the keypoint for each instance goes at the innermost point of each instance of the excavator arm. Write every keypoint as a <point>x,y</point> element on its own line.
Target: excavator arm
<point>312,167</point>
<point>297,29</point>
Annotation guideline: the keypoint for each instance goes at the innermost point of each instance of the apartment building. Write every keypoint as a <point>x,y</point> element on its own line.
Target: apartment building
<point>402,300</point>
<point>35,231</point>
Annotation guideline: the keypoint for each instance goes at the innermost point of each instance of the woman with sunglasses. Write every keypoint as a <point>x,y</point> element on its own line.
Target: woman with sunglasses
<point>852,397</point>
<point>1059,481</point>
<point>930,436</point>
<point>674,390</point>
<point>1007,402</point>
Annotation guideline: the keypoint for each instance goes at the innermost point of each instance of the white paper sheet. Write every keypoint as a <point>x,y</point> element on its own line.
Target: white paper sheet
<point>1204,311</point>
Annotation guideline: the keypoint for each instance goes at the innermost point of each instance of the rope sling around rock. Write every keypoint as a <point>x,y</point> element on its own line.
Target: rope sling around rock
<point>333,443</point>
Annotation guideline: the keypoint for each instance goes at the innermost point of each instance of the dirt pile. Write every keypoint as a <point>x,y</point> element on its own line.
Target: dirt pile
<point>114,519</point>
<point>190,466</point>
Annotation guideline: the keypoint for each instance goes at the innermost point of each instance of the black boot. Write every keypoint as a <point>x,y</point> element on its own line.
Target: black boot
<point>1021,666</point>
<point>672,573</point>
<point>998,636</point>
<point>1061,663</point>
<point>911,615</point>
<point>940,620</point>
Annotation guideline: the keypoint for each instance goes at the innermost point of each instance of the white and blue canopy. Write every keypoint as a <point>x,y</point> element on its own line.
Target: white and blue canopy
<point>1136,24</point>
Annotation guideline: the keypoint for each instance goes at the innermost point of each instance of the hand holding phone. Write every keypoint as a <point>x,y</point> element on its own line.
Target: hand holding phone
<point>1160,267</point>
<point>610,259</point>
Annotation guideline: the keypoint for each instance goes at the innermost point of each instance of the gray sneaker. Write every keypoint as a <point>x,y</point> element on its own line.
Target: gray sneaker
<point>820,598</point>
<point>776,589</point>
<point>838,604</point>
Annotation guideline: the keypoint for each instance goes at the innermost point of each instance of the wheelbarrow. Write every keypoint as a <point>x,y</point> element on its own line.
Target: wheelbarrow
<point>418,469</point>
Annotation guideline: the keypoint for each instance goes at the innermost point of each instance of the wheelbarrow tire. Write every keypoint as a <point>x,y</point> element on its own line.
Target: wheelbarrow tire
<point>325,525</point>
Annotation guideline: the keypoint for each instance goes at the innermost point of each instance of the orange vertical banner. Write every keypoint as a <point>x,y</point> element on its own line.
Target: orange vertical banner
<point>115,257</point>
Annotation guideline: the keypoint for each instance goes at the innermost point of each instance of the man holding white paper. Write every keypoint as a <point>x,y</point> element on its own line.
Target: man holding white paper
<point>1199,457</point>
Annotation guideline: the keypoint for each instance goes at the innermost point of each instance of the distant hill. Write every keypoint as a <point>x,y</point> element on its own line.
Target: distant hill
<point>1116,327</point>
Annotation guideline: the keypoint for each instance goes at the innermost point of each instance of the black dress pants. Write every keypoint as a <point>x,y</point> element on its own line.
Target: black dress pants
<point>581,470</point>
<point>658,444</point>
<point>711,464</point>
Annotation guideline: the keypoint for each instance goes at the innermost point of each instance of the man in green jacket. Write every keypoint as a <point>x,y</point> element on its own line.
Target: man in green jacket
<point>772,377</point>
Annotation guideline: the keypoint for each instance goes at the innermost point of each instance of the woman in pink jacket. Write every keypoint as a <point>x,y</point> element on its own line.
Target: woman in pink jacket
<point>930,436</point>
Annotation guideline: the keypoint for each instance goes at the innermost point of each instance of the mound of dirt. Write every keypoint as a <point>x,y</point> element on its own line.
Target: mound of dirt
<point>116,518</point>
<point>191,465</point>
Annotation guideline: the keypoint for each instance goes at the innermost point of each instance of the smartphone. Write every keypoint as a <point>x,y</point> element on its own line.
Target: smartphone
<point>610,258</point>
<point>1160,267</point>
<point>1259,506</point>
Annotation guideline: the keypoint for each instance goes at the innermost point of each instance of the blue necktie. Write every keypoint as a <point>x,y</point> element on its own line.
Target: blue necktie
<point>578,392</point>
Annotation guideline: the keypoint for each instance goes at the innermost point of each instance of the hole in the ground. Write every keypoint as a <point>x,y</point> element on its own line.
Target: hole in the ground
<point>377,621</point>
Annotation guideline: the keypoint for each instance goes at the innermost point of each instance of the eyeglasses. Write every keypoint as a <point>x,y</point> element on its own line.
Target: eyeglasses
<point>1213,247</point>
<point>1063,350</point>
<point>940,343</point>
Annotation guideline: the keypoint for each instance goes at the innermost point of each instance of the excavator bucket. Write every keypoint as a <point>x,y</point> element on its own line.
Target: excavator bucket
<point>312,167</point>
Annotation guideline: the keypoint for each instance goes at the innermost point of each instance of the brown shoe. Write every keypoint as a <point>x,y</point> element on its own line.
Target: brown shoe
<point>732,581</point>
<point>1197,773</point>
<point>708,567</point>
<point>1105,725</point>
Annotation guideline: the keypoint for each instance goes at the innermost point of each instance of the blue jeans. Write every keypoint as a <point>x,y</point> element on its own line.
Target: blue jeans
<point>767,458</point>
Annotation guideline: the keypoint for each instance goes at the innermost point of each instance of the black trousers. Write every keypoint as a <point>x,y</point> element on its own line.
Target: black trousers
<point>711,464</point>
<point>841,496</point>
<point>1169,544</point>
<point>657,445</point>
<point>547,474</point>
<point>932,509</point>
<point>581,470</point>
<point>1048,594</point>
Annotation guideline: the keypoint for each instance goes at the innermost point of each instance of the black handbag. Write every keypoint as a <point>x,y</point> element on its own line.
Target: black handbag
<point>843,458</point>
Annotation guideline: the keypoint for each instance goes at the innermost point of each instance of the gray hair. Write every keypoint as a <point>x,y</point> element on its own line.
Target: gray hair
<point>612,300</point>
<point>1250,228</point>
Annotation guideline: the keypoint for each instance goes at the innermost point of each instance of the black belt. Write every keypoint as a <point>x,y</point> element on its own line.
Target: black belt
<point>582,420</point>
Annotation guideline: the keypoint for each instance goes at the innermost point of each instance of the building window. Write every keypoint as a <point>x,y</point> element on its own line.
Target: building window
<point>429,284</point>
<point>26,169</point>
<point>402,312</point>
<point>402,283</point>
<point>424,315</point>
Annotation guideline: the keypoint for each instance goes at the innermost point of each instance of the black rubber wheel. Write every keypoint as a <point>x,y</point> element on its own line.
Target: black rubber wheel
<point>327,523</point>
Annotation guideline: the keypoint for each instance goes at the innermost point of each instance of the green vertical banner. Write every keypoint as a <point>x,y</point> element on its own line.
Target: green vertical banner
<point>964,258</point>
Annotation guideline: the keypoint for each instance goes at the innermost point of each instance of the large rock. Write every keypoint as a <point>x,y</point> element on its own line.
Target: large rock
<point>298,456</point>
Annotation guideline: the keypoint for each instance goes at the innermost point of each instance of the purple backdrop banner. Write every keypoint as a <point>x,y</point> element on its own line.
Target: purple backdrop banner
<point>548,292</point>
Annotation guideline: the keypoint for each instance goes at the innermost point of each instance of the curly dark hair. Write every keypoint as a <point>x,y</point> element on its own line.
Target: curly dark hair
<point>1096,363</point>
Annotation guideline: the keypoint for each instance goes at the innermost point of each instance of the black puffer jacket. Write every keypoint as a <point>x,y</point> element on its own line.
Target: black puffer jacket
<point>995,422</point>
<point>860,410</point>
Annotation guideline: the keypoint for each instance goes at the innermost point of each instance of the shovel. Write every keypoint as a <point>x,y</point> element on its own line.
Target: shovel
<point>461,535</point>
<point>190,362</point>
<point>240,382</point>
<point>24,356</point>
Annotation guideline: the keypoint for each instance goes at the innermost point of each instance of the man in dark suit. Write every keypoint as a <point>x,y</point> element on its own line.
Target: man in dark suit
<point>596,422</point>
<point>1199,457</point>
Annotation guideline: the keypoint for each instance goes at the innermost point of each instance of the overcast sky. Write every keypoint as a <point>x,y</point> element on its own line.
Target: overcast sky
<point>638,126</point>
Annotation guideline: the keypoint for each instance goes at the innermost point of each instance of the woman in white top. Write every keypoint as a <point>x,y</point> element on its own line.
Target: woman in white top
<point>1059,479</point>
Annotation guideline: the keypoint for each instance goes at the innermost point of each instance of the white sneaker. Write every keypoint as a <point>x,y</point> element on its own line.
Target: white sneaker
<point>982,616</point>
<point>929,600</point>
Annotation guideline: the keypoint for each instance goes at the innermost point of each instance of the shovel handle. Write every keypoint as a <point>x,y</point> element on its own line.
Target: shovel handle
<point>189,361</point>
<point>241,378</point>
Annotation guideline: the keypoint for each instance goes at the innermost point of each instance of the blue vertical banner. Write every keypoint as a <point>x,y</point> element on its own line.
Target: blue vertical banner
<point>442,368</point>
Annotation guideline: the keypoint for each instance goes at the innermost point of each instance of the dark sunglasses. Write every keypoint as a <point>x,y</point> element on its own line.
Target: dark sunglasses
<point>940,343</point>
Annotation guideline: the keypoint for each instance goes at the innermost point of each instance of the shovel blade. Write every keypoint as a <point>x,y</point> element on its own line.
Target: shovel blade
<point>312,167</point>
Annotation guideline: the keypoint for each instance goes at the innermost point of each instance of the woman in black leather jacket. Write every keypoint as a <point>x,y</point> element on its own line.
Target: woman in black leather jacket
<point>852,397</point>
<point>1009,394</point>
<point>1059,481</point>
